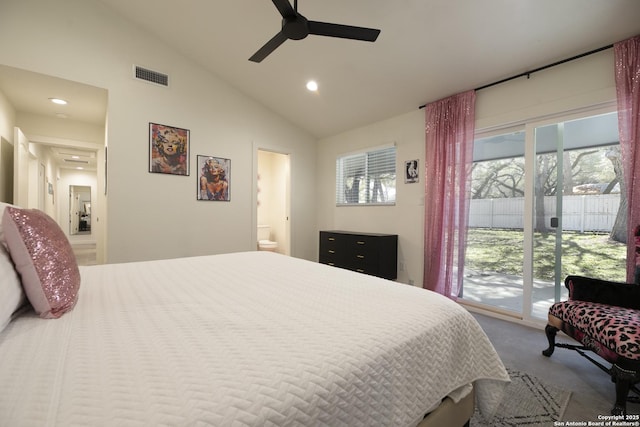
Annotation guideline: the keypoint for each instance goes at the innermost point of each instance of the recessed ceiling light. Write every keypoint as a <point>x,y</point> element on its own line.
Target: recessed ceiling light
<point>312,85</point>
<point>58,101</point>
<point>80,168</point>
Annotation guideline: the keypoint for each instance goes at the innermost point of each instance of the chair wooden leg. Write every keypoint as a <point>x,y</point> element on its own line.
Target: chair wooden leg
<point>622,391</point>
<point>624,379</point>
<point>551,332</point>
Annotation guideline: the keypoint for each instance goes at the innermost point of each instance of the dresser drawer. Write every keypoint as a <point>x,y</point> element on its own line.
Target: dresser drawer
<point>330,251</point>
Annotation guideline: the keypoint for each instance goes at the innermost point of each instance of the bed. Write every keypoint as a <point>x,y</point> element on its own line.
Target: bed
<point>241,339</point>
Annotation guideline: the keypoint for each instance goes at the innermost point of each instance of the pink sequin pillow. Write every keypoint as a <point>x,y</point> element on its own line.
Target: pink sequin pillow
<point>44,259</point>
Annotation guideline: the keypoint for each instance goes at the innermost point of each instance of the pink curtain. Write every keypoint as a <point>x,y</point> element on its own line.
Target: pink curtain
<point>627,62</point>
<point>448,157</point>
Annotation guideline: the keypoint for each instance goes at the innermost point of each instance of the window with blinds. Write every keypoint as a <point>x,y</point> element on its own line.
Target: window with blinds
<point>367,178</point>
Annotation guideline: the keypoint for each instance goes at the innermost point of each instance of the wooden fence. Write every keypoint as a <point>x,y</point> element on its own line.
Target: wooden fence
<point>595,212</point>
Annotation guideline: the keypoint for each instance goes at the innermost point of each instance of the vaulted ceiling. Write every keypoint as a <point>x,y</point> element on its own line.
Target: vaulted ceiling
<point>426,50</point>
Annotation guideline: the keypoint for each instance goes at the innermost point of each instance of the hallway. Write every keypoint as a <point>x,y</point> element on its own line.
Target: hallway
<point>85,253</point>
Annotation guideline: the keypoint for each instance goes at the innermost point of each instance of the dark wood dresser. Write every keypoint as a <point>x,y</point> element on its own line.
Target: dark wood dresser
<point>369,253</point>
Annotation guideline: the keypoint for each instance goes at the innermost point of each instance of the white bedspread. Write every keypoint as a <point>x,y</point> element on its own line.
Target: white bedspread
<point>245,339</point>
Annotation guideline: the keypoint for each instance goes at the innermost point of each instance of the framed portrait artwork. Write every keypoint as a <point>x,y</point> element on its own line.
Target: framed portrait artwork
<point>214,180</point>
<point>168,149</point>
<point>411,171</point>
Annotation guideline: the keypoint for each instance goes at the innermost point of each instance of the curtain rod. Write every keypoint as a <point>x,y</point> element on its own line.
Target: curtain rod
<point>528,73</point>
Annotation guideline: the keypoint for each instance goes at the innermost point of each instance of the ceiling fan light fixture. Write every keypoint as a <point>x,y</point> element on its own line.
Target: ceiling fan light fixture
<point>297,27</point>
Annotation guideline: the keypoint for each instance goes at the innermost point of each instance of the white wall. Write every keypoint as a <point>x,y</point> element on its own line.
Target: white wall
<point>585,82</point>
<point>7,118</point>
<point>155,216</point>
<point>21,172</point>
<point>7,123</point>
<point>406,217</point>
<point>6,170</point>
<point>42,155</point>
<point>569,87</point>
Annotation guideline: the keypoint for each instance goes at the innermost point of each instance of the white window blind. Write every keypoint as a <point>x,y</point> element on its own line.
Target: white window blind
<point>366,178</point>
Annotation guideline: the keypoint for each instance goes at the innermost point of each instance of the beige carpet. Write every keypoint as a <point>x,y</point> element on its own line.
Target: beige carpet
<point>528,402</point>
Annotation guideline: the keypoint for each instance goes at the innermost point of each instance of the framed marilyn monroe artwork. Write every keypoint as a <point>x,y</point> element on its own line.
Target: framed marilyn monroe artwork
<point>214,181</point>
<point>168,149</point>
<point>411,171</point>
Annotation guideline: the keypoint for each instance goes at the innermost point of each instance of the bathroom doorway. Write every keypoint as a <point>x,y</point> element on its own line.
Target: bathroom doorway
<point>273,197</point>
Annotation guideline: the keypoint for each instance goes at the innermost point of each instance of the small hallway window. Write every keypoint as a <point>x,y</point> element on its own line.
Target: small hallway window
<point>367,178</point>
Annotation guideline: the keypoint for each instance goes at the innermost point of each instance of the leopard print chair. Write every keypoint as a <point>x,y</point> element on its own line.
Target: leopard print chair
<point>605,318</point>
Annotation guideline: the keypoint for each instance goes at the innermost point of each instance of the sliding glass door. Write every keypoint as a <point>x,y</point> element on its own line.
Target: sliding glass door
<point>576,201</point>
<point>545,200</point>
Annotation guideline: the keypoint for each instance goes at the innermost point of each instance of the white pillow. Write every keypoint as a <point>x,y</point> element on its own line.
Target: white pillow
<point>12,295</point>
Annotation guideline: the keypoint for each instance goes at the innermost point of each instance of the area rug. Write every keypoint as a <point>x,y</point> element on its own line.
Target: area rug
<point>527,402</point>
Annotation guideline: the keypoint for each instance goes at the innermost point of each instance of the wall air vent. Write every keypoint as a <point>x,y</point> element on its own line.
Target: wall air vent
<point>76,161</point>
<point>151,76</point>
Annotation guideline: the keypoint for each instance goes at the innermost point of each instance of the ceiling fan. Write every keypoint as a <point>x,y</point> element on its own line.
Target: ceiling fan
<point>296,27</point>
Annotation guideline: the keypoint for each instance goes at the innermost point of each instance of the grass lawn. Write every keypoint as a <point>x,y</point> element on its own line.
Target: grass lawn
<point>586,254</point>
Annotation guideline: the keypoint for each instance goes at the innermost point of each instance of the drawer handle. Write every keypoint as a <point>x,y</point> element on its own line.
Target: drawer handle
<point>360,256</point>
<point>331,239</point>
<point>332,252</point>
<point>360,270</point>
<point>360,242</point>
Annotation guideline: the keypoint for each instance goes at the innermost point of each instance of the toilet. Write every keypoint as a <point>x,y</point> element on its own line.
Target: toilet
<point>264,244</point>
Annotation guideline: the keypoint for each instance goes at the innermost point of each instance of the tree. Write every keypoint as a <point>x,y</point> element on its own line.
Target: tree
<point>619,230</point>
<point>496,179</point>
<point>543,175</point>
<point>585,171</point>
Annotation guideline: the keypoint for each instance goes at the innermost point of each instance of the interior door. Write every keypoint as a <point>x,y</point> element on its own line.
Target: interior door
<point>20,169</point>
<point>41,187</point>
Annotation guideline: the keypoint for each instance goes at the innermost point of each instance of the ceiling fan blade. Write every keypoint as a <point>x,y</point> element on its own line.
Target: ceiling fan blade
<point>284,7</point>
<point>343,31</point>
<point>269,47</point>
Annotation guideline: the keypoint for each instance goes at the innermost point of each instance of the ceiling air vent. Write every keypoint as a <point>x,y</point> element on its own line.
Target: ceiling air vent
<point>151,76</point>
